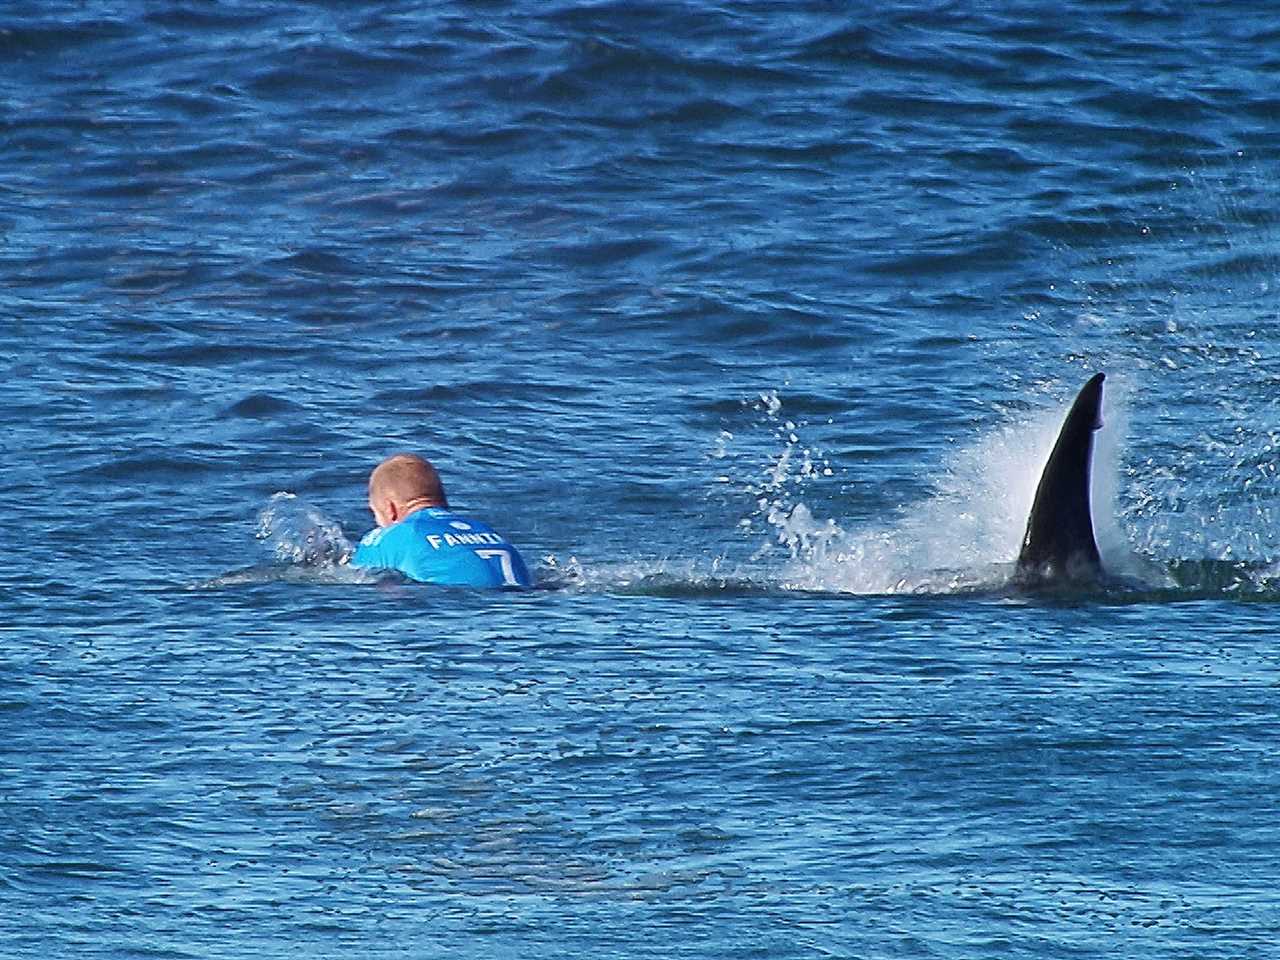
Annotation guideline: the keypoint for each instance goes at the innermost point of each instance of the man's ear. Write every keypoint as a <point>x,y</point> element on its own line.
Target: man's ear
<point>384,510</point>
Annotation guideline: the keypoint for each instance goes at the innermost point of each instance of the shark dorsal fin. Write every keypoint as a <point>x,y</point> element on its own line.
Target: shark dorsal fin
<point>1059,544</point>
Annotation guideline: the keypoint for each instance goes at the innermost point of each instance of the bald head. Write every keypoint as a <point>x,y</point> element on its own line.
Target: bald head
<point>402,484</point>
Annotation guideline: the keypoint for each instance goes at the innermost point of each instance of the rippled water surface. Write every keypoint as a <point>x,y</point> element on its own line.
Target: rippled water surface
<point>752,325</point>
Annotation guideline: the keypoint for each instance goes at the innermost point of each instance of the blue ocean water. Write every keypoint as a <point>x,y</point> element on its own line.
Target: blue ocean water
<point>751,324</point>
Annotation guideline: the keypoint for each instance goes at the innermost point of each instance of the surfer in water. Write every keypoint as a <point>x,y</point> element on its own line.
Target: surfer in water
<point>418,535</point>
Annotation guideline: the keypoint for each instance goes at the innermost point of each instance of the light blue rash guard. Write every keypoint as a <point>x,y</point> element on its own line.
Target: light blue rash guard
<point>436,545</point>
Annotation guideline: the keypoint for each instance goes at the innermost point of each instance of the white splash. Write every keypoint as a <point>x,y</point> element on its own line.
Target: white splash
<point>967,535</point>
<point>297,533</point>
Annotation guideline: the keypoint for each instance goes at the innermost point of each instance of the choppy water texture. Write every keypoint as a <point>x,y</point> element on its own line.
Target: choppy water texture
<point>751,325</point>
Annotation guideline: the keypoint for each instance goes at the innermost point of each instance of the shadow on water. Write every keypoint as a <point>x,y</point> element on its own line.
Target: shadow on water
<point>1182,581</point>
<point>1179,581</point>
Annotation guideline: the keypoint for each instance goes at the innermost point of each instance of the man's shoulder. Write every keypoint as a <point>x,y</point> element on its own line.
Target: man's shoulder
<point>393,538</point>
<point>447,521</point>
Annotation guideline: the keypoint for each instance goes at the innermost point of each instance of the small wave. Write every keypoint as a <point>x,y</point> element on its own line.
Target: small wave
<point>659,578</point>
<point>317,262</point>
<point>331,573</point>
<point>260,406</point>
<point>202,354</point>
<point>513,395</point>
<point>298,72</point>
<point>1150,108</point>
<point>151,467</point>
<point>605,252</point>
<point>56,37</point>
<point>197,17</point>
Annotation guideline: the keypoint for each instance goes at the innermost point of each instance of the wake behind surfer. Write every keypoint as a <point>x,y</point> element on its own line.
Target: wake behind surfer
<point>420,536</point>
